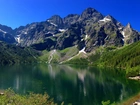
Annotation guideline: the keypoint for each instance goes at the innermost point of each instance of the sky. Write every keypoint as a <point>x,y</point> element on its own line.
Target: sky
<point>15,13</point>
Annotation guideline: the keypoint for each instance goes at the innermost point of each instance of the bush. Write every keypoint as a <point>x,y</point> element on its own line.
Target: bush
<point>11,98</point>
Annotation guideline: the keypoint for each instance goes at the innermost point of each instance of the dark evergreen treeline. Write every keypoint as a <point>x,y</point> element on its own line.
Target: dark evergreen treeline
<point>11,54</point>
<point>127,58</point>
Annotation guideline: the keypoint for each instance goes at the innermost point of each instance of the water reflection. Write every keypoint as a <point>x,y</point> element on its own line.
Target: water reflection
<point>78,85</point>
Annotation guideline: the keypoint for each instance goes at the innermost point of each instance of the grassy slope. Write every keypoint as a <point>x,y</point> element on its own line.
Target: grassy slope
<point>10,54</point>
<point>127,57</point>
<point>58,55</point>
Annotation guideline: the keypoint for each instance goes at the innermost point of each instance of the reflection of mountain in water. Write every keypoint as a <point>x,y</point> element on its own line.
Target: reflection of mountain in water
<point>77,85</point>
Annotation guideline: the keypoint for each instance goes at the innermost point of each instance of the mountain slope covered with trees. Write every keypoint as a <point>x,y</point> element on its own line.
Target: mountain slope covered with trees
<point>11,54</point>
<point>127,58</point>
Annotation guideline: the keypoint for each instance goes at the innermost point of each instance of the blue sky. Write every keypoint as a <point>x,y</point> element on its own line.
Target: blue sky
<point>21,12</point>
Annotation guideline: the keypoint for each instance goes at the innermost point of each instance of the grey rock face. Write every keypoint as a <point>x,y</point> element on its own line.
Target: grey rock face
<point>130,35</point>
<point>6,37</point>
<point>70,38</point>
<point>91,13</point>
<point>56,20</point>
<point>6,29</point>
<point>70,19</point>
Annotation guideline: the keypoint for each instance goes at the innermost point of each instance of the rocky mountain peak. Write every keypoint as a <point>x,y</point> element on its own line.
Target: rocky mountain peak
<point>128,26</point>
<point>130,35</point>
<point>56,20</point>
<point>90,10</point>
<point>108,18</point>
<point>91,13</point>
<point>6,28</point>
<point>55,17</point>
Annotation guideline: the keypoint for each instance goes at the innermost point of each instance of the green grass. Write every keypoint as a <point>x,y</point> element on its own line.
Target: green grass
<point>44,56</point>
<point>59,55</point>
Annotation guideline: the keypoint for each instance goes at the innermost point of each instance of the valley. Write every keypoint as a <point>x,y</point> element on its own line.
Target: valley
<point>88,39</point>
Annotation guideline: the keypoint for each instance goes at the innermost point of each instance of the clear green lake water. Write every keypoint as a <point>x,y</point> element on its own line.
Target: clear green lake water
<point>76,85</point>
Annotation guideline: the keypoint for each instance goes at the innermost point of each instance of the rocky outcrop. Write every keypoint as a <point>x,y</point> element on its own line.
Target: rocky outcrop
<point>70,19</point>
<point>6,37</point>
<point>6,29</point>
<point>130,35</point>
<point>57,21</point>
<point>91,14</point>
<point>70,38</point>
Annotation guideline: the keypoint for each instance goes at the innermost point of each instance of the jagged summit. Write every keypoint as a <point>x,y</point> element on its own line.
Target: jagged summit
<point>56,20</point>
<point>128,26</point>
<point>90,13</point>
<point>110,17</point>
<point>88,30</point>
<point>90,10</point>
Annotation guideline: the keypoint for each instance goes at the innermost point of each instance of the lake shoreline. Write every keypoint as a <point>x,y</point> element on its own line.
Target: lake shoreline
<point>131,100</point>
<point>135,78</point>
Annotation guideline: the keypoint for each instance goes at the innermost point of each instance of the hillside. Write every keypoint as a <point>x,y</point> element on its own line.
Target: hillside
<point>11,54</point>
<point>127,58</point>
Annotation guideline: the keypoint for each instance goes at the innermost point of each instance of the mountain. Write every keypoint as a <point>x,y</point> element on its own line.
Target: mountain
<point>130,35</point>
<point>6,34</point>
<point>87,32</point>
<point>90,29</point>
<point>6,29</point>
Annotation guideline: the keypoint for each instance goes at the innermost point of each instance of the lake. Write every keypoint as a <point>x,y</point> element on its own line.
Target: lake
<point>75,85</point>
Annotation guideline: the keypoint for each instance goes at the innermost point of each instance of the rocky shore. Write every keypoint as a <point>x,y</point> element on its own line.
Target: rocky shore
<point>135,78</point>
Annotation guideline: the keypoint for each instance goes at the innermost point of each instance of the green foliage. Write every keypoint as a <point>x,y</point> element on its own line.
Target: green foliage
<point>68,52</point>
<point>59,55</point>
<point>79,61</point>
<point>11,54</point>
<point>126,58</point>
<point>108,103</point>
<point>11,98</point>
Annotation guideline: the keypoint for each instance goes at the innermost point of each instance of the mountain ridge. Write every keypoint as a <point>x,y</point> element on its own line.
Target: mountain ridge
<point>90,29</point>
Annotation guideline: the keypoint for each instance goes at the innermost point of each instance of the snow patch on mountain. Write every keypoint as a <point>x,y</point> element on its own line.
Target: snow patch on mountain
<point>123,33</point>
<point>52,23</point>
<point>82,51</point>
<point>3,31</point>
<point>62,30</point>
<point>25,32</point>
<point>105,20</point>
<point>18,38</point>
<point>86,37</point>
<point>120,28</point>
